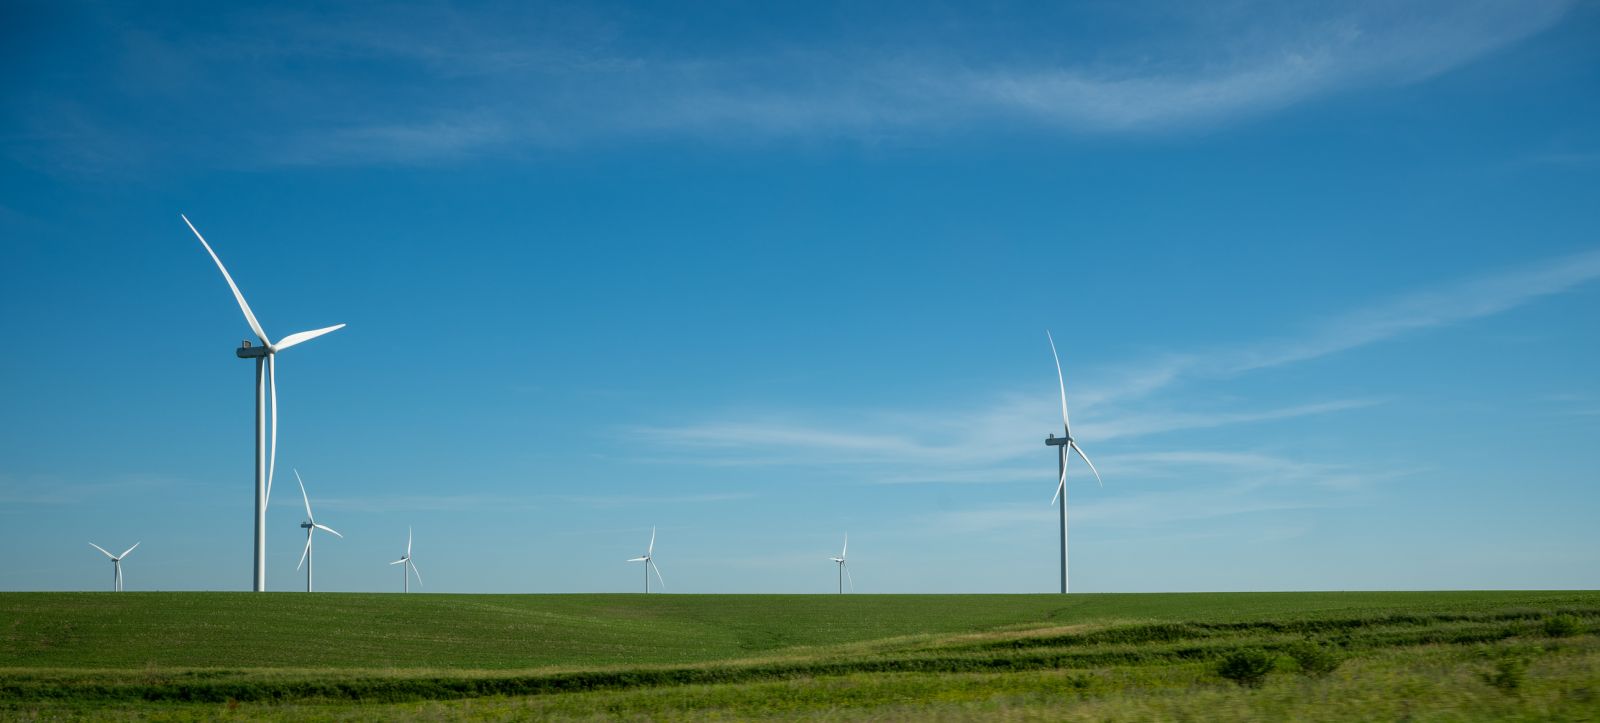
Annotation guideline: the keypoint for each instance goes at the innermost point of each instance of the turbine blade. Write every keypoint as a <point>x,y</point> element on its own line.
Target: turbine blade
<point>396,562</point>
<point>637,559</point>
<point>249,315</point>
<point>416,572</point>
<point>303,497</point>
<point>1063,483</point>
<point>408,543</point>
<point>272,457</point>
<point>326,528</point>
<point>125,552</point>
<point>848,577</point>
<point>652,548</point>
<point>1066,425</point>
<point>102,549</point>
<point>652,565</point>
<point>301,336</point>
<point>1085,457</point>
<point>305,552</point>
<point>845,552</point>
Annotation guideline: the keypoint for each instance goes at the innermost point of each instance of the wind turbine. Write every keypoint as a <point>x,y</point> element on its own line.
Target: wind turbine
<point>266,358</point>
<point>650,563</point>
<point>116,565</point>
<point>844,567</point>
<point>1062,444</point>
<point>407,564</point>
<point>311,526</point>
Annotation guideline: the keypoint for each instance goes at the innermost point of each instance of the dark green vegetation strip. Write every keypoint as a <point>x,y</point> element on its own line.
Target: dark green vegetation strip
<point>1376,631</point>
<point>53,652</point>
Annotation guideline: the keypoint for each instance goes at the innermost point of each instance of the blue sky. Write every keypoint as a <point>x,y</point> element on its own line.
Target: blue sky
<point>1325,280</point>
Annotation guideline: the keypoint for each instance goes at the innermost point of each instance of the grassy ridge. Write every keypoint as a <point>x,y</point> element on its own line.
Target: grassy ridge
<point>336,630</point>
<point>104,654</point>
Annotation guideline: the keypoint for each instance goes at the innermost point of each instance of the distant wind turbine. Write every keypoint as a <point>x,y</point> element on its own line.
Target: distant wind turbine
<point>1062,444</point>
<point>311,526</point>
<point>116,565</point>
<point>844,568</point>
<point>650,563</point>
<point>406,561</point>
<point>266,356</point>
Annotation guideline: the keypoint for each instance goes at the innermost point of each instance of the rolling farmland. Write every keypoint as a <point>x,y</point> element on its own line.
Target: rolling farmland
<point>1133,656</point>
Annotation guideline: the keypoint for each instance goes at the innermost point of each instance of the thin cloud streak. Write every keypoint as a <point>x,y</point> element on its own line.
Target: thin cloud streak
<point>43,490</point>
<point>1215,485</point>
<point>1141,425</point>
<point>981,437</point>
<point>984,447</point>
<point>611,501</point>
<point>461,85</point>
<point>413,503</point>
<point>1439,306</point>
<point>1436,307</point>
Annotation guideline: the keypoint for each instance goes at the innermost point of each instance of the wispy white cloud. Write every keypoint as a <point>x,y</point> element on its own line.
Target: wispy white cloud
<point>1437,306</point>
<point>820,91</point>
<point>412,503</point>
<point>1147,423</point>
<point>1383,44</point>
<point>653,500</point>
<point>16,490</point>
<point>980,445</point>
<point>472,502</point>
<point>1566,158</point>
<point>1141,510</point>
<point>1213,484</point>
<point>434,82</point>
<point>973,439</point>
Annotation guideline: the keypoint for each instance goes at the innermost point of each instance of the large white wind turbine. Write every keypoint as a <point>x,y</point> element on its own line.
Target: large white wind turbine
<point>266,357</point>
<point>844,568</point>
<point>1063,444</point>
<point>649,561</point>
<point>407,563</point>
<point>311,526</point>
<point>116,565</point>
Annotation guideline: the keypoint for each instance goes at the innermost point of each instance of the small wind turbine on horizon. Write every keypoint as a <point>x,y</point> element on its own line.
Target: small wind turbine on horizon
<point>266,360</point>
<point>116,565</point>
<point>1062,444</point>
<point>405,580</point>
<point>311,526</point>
<point>650,563</point>
<point>844,568</point>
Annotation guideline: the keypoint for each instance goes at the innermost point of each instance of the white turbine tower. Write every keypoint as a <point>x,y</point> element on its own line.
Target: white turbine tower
<point>407,563</point>
<point>844,567</point>
<point>650,563</point>
<point>311,526</point>
<point>1062,444</point>
<point>266,357</point>
<point>116,565</point>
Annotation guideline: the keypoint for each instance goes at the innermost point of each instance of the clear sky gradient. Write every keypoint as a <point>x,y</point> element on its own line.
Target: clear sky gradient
<point>1325,280</point>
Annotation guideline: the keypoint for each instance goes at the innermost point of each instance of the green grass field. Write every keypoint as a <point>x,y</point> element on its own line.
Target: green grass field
<point>1426,655</point>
